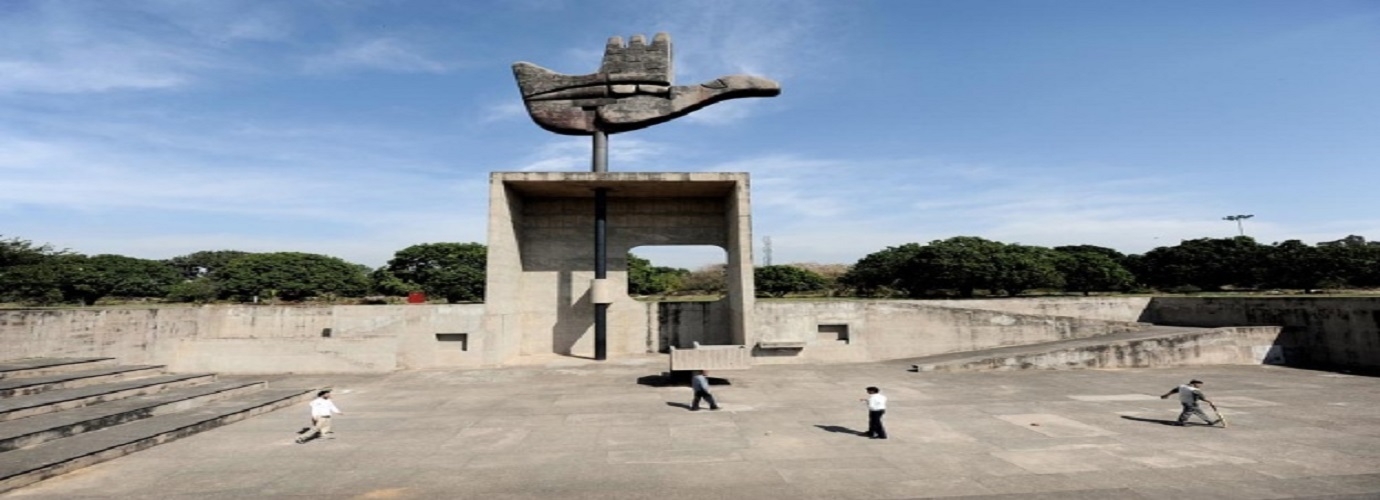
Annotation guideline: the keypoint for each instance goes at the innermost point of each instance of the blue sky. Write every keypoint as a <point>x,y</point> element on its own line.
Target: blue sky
<point>357,128</point>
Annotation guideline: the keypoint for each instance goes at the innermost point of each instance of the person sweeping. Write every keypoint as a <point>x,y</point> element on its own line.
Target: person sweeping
<point>1189,396</point>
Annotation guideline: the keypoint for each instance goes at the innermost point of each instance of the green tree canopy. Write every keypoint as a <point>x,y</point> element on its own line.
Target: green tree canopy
<point>780,280</point>
<point>204,263</point>
<point>291,276</point>
<point>455,271</point>
<point>646,279</point>
<point>78,278</point>
<point>1020,268</point>
<point>17,252</point>
<point>880,272</point>
<point>962,263</point>
<point>1205,263</point>
<point>1089,270</point>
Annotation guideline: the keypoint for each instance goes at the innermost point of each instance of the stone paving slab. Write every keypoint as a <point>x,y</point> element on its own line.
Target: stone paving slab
<point>583,430</point>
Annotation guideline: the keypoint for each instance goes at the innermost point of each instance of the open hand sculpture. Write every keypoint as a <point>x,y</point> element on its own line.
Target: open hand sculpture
<point>632,90</point>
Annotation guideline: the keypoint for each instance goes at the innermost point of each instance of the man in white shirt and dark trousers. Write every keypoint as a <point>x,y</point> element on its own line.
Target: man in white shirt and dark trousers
<point>876,407</point>
<point>700,384</point>
<point>321,410</point>
<point>1189,395</point>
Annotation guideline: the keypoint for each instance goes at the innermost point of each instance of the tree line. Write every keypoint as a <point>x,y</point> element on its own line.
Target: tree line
<point>963,266</point>
<point>968,266</point>
<point>41,275</point>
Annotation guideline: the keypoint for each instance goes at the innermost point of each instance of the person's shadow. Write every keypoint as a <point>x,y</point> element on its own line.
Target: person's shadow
<point>840,429</point>
<point>1158,421</point>
<point>678,405</point>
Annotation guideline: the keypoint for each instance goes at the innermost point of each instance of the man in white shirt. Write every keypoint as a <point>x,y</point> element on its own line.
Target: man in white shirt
<point>1189,396</point>
<point>876,407</point>
<point>321,410</point>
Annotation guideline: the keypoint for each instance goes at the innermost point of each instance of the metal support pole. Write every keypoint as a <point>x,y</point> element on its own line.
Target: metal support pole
<point>601,271</point>
<point>601,152</point>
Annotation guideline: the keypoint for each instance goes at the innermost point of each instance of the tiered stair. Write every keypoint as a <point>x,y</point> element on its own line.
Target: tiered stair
<point>62,414</point>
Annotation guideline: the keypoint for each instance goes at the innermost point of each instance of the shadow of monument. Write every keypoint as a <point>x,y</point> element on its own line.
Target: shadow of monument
<point>676,379</point>
<point>572,320</point>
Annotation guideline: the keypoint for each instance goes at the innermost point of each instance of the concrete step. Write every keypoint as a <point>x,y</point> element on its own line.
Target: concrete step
<point>66,399</point>
<point>29,465</point>
<point>38,367</point>
<point>12,387</point>
<point>1050,355</point>
<point>26,432</point>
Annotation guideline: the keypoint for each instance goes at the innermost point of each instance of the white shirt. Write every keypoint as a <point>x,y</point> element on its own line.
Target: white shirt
<point>322,407</point>
<point>1189,394</point>
<point>876,402</point>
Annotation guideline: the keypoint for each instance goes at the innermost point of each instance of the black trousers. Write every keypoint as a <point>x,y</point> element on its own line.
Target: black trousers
<point>705,395</point>
<point>874,424</point>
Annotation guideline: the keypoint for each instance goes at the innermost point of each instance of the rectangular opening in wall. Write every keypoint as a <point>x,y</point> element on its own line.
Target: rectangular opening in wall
<point>454,341</point>
<point>832,334</point>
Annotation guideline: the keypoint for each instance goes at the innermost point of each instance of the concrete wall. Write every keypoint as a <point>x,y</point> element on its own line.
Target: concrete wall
<point>247,339</point>
<point>1104,308</point>
<point>255,339</point>
<point>1252,345</point>
<point>883,329</point>
<point>681,324</point>
<point>1321,331</point>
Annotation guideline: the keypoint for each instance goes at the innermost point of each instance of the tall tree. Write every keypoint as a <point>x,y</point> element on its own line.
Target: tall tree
<point>1089,270</point>
<point>1020,268</point>
<point>780,280</point>
<point>961,263</point>
<point>204,263</point>
<point>1206,263</point>
<point>881,273</point>
<point>454,271</point>
<point>646,279</point>
<point>291,276</point>
<point>78,278</point>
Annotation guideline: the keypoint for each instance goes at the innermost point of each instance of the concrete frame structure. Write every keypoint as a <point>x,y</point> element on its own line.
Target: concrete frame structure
<point>540,281</point>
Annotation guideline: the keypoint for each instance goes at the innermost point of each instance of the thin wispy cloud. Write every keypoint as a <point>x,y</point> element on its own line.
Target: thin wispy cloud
<point>510,109</point>
<point>380,54</point>
<point>84,47</point>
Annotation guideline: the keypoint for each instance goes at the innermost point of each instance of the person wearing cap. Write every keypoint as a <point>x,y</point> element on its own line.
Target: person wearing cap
<point>321,410</point>
<point>1189,396</point>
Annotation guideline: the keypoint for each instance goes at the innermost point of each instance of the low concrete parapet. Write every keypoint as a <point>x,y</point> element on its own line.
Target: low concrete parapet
<point>1216,346</point>
<point>711,357</point>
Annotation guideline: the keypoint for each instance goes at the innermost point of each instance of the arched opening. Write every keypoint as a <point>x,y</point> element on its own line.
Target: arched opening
<point>679,273</point>
<point>688,285</point>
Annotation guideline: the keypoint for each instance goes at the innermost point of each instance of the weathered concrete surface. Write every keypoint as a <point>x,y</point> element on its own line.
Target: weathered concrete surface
<point>376,339</point>
<point>633,89</point>
<point>785,432</point>
<point>1155,347</point>
<point>1321,331</point>
<point>887,329</point>
<point>711,357</point>
<point>541,255</point>
<point>252,339</point>
<point>1103,308</point>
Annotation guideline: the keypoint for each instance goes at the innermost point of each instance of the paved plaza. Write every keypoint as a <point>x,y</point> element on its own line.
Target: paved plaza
<point>575,429</point>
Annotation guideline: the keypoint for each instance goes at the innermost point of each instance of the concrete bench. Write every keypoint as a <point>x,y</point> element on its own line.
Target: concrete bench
<point>782,344</point>
<point>711,357</point>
